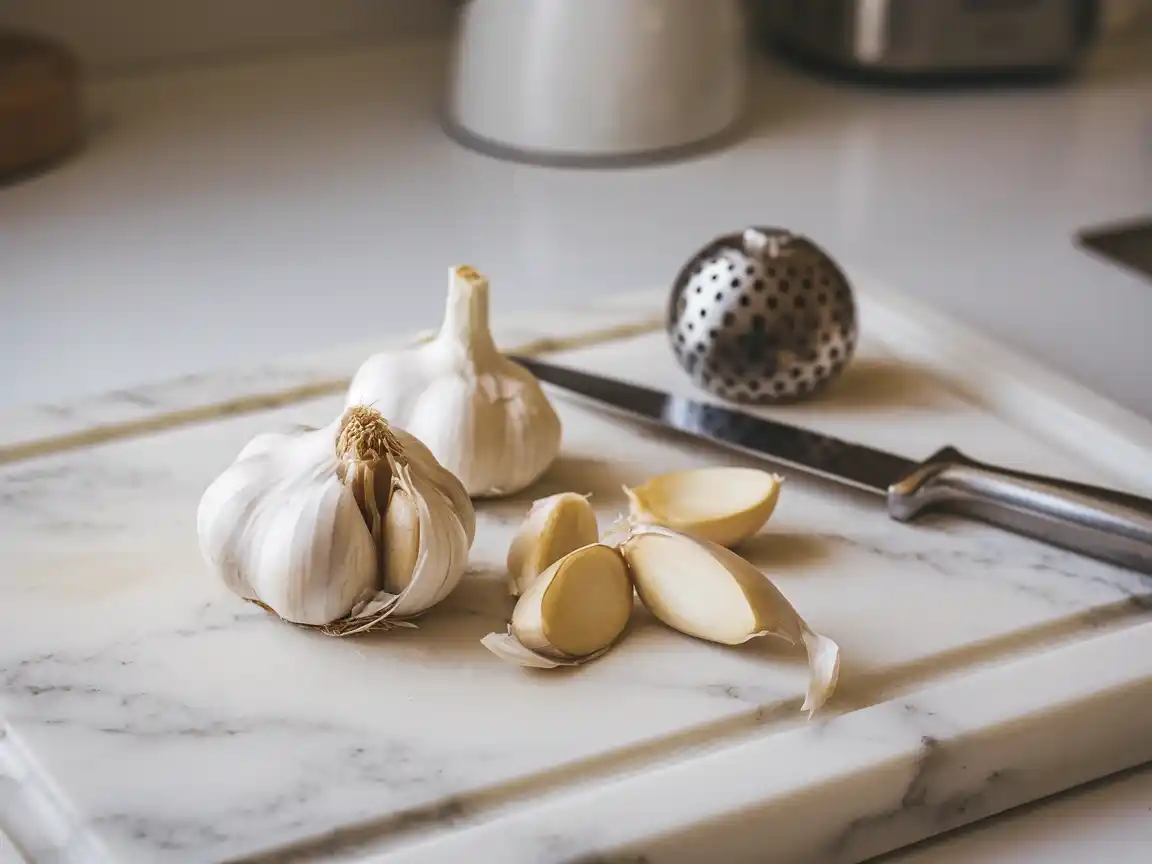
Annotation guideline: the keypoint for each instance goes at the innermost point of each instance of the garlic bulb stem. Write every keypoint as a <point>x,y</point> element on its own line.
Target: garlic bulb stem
<point>466,315</point>
<point>483,417</point>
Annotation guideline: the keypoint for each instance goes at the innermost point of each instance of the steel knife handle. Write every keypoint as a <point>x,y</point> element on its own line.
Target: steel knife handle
<point>1100,523</point>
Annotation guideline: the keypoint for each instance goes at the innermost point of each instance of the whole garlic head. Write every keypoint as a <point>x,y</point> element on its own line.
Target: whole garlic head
<point>484,417</point>
<point>318,525</point>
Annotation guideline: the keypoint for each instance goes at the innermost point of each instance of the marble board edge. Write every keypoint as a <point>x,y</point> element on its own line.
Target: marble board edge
<point>837,790</point>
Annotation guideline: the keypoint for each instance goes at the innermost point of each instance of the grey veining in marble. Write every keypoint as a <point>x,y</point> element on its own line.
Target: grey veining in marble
<point>173,722</point>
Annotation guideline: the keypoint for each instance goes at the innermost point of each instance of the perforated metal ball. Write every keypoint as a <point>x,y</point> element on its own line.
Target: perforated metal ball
<point>764,316</point>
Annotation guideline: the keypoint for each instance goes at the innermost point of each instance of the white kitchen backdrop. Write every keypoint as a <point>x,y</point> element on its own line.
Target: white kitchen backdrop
<point>124,35</point>
<point>120,35</point>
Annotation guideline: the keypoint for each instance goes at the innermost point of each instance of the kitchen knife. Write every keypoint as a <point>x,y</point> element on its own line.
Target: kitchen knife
<point>1100,523</point>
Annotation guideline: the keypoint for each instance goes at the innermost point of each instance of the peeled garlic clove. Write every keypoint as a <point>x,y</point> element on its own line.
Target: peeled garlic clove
<point>707,591</point>
<point>485,418</point>
<point>554,527</point>
<point>572,613</point>
<point>723,505</point>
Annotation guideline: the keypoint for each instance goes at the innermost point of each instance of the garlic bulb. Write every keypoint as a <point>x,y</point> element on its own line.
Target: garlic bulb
<point>574,612</point>
<point>723,505</point>
<point>351,527</point>
<point>707,591</point>
<point>485,418</point>
<point>555,526</point>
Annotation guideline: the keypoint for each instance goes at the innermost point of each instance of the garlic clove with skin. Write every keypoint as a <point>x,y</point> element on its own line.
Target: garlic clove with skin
<point>723,505</point>
<point>300,524</point>
<point>401,541</point>
<point>414,451</point>
<point>485,418</point>
<point>554,526</point>
<point>444,481</point>
<point>573,613</point>
<point>704,590</point>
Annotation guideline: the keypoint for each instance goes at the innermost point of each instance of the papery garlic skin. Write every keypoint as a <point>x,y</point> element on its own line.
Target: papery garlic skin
<point>310,558</point>
<point>705,590</point>
<point>554,526</point>
<point>725,505</point>
<point>413,449</point>
<point>443,550</point>
<point>299,523</point>
<point>445,482</point>
<point>485,418</point>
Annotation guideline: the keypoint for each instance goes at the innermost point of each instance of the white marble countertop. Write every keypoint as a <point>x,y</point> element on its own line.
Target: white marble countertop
<point>225,215</point>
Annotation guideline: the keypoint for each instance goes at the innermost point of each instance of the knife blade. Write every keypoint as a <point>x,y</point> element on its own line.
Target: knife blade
<point>1101,523</point>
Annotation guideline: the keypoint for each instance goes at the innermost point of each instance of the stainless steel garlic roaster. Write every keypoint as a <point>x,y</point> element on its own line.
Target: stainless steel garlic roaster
<point>763,316</point>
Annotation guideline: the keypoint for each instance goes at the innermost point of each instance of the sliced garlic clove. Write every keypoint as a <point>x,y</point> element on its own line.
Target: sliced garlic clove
<point>705,590</point>
<point>553,527</point>
<point>574,612</point>
<point>401,541</point>
<point>723,505</point>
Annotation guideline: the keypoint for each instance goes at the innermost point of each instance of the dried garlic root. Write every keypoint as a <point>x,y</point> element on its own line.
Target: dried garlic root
<point>704,590</point>
<point>553,527</point>
<point>574,611</point>
<point>723,505</point>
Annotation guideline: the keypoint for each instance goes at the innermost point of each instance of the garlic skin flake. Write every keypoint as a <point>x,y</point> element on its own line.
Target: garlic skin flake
<point>303,524</point>
<point>722,505</point>
<point>485,418</point>
<point>705,590</point>
<point>554,526</point>
<point>573,613</point>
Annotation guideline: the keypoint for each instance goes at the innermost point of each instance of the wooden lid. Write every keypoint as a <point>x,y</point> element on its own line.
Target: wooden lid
<point>40,102</point>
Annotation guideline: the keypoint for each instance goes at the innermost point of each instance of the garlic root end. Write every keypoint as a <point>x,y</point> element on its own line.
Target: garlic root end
<point>823,670</point>
<point>508,647</point>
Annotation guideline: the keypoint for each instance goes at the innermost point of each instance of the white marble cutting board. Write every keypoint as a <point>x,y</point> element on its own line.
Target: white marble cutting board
<point>149,716</point>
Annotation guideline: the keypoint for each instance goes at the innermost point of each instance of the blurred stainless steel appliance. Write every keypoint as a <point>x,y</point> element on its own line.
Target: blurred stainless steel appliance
<point>930,37</point>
